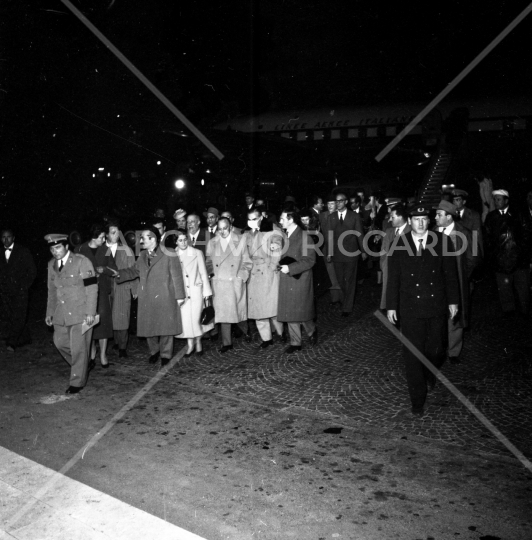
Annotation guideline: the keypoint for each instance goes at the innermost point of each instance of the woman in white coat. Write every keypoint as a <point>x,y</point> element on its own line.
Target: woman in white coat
<point>197,288</point>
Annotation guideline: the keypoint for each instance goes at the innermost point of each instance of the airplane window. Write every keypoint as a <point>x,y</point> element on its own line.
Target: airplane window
<point>352,133</point>
<point>318,135</point>
<point>335,134</point>
<point>301,135</point>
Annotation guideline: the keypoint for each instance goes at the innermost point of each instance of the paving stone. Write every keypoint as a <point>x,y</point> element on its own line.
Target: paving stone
<point>356,374</point>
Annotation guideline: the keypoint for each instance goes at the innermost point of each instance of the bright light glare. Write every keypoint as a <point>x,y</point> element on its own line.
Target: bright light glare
<point>202,182</point>
<point>108,174</point>
<point>208,171</point>
<point>158,163</point>
<point>101,168</point>
<point>179,184</point>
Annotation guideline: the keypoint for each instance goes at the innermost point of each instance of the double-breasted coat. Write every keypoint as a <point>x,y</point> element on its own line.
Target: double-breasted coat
<point>296,296</point>
<point>197,287</point>
<point>421,286</point>
<point>123,292</point>
<point>388,241</point>
<point>263,284</point>
<point>160,287</point>
<point>231,268</point>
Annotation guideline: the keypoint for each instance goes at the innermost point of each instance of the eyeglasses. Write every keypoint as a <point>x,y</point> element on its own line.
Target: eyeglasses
<point>341,200</point>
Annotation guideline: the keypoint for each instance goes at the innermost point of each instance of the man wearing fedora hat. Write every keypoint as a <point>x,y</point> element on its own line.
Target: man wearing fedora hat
<point>466,261</point>
<point>422,293</point>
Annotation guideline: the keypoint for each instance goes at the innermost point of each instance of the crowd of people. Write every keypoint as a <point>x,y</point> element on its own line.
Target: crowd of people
<point>262,266</point>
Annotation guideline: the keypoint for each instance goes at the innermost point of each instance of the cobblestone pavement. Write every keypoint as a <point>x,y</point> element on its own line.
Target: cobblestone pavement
<point>355,375</point>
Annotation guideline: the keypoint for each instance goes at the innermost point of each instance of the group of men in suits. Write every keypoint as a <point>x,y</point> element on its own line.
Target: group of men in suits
<point>275,293</point>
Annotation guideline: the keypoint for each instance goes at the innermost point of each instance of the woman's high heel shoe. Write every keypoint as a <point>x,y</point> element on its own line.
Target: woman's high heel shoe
<point>189,354</point>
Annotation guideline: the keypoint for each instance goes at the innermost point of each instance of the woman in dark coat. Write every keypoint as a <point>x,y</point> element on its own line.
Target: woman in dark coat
<point>96,251</point>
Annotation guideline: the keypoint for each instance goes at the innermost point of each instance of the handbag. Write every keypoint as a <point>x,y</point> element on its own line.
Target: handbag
<point>207,314</point>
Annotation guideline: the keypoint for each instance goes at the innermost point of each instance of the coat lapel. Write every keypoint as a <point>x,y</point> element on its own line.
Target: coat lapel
<point>233,243</point>
<point>191,256</point>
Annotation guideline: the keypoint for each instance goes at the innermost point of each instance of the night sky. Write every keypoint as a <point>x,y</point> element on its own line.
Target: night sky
<point>70,106</point>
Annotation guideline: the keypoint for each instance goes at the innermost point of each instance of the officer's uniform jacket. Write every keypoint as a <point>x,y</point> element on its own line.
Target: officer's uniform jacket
<point>73,292</point>
<point>422,286</point>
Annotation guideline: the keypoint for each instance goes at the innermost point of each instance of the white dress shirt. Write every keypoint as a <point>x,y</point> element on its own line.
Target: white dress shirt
<point>9,250</point>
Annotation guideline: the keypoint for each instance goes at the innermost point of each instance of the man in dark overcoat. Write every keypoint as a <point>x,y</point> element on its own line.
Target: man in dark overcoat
<point>344,248</point>
<point>508,254</point>
<point>469,218</point>
<point>422,293</point>
<point>296,291</point>
<point>466,261</point>
<point>161,292</point>
<point>17,273</point>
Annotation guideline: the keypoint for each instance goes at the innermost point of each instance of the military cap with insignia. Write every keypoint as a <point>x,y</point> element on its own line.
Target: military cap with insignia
<point>460,193</point>
<point>418,209</point>
<point>54,239</point>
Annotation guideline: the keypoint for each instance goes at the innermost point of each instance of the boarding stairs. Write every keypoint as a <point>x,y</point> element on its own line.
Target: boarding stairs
<point>430,192</point>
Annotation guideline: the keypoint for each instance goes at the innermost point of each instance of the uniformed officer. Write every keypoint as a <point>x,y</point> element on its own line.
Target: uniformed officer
<point>423,291</point>
<point>72,299</point>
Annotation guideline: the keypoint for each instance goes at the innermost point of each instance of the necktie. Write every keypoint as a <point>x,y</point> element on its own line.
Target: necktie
<point>341,219</point>
<point>396,231</point>
<point>61,265</point>
<point>193,240</point>
<point>420,248</point>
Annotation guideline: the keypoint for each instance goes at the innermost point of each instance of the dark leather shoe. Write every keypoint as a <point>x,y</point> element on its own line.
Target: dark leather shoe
<point>292,349</point>
<point>418,411</point>
<point>346,313</point>
<point>247,337</point>
<point>431,382</point>
<point>74,389</point>
<point>188,354</point>
<point>283,338</point>
<point>199,353</point>
<point>105,366</point>
<point>226,348</point>
<point>165,361</point>
<point>266,344</point>
<point>314,337</point>
<point>153,358</point>
<point>92,365</point>
<point>122,353</point>
<point>237,332</point>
